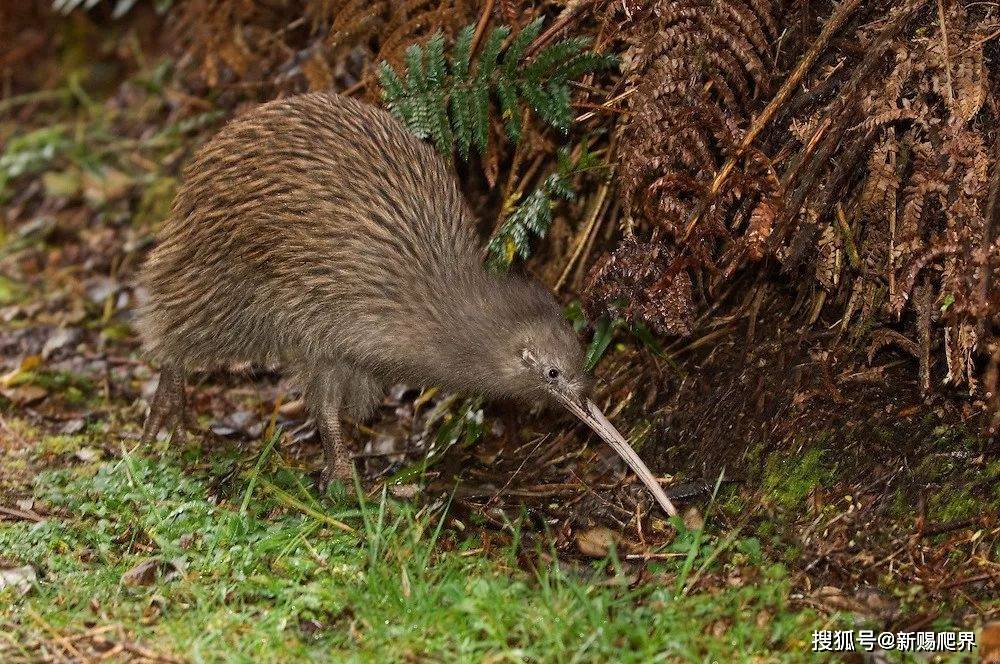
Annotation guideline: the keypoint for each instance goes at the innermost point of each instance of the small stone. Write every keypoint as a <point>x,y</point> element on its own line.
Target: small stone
<point>88,454</point>
<point>404,491</point>
<point>60,339</point>
<point>75,425</point>
<point>21,578</point>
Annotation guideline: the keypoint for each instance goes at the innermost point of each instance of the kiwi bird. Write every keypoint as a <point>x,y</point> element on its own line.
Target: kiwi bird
<point>316,234</point>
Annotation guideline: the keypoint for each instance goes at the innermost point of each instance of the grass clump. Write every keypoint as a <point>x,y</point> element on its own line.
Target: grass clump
<point>269,583</point>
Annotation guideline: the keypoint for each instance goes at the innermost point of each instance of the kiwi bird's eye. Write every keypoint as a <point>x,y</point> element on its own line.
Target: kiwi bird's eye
<point>553,373</point>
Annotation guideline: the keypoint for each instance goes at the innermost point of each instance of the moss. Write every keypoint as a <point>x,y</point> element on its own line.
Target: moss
<point>10,291</point>
<point>732,503</point>
<point>901,505</point>
<point>951,505</point>
<point>62,444</point>
<point>788,480</point>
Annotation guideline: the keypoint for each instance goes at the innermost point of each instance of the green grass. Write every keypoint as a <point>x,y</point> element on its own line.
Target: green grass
<point>278,582</point>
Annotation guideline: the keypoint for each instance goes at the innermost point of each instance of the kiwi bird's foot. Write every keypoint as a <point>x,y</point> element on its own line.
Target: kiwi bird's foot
<point>167,407</point>
<point>335,470</point>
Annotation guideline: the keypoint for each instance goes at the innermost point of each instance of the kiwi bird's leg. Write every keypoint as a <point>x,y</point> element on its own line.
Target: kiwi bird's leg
<point>326,399</point>
<point>168,407</point>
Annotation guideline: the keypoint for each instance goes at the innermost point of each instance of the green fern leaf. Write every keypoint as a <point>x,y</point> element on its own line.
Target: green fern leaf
<point>510,110</point>
<point>553,55</point>
<point>416,79</point>
<point>514,53</point>
<point>487,61</point>
<point>481,116</point>
<point>448,98</point>
<point>584,63</point>
<point>436,68</point>
<point>559,111</point>
<point>461,116</point>
<point>461,53</point>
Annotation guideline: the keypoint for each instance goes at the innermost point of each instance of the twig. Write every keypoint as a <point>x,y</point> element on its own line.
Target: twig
<point>356,87</point>
<point>606,105</point>
<point>143,651</point>
<point>484,20</point>
<point>22,514</point>
<point>521,467</point>
<point>61,641</point>
<point>944,45</point>
<point>571,11</point>
<point>595,213</point>
<point>833,24</point>
<point>970,579</point>
<point>947,527</point>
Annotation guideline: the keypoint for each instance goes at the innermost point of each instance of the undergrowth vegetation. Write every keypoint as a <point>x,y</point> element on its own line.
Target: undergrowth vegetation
<point>209,576</point>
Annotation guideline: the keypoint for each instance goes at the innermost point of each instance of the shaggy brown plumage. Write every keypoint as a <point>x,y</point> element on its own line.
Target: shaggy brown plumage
<point>315,233</point>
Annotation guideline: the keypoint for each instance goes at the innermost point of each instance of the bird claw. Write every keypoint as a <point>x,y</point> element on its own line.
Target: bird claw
<point>338,471</point>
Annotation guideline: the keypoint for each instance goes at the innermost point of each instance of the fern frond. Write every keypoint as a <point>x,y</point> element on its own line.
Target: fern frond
<point>520,44</point>
<point>554,55</point>
<point>448,97</point>
<point>533,217</point>
<point>461,52</point>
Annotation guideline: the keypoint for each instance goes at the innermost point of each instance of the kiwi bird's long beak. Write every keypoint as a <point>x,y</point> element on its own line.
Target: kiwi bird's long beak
<point>592,416</point>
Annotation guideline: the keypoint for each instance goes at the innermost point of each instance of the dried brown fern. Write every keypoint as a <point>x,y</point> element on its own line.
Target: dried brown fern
<point>698,68</point>
<point>297,45</point>
<point>890,128</point>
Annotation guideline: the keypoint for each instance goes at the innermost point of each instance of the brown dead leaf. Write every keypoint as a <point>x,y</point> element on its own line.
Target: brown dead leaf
<point>864,602</point>
<point>597,542</point>
<point>143,574</point>
<point>25,395</point>
<point>62,183</point>
<point>693,518</point>
<point>106,186</point>
<point>29,363</point>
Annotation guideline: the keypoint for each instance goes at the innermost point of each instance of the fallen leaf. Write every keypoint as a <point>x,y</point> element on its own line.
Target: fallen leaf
<point>106,186</point>
<point>62,183</point>
<point>596,542</point>
<point>26,395</point>
<point>143,574</point>
<point>405,582</point>
<point>29,363</point>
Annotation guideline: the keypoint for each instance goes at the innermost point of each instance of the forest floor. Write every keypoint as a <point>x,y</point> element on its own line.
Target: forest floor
<point>472,533</point>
